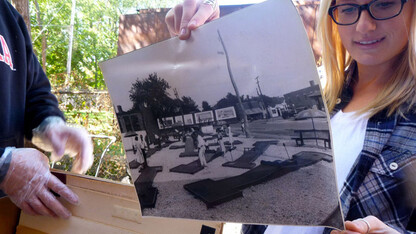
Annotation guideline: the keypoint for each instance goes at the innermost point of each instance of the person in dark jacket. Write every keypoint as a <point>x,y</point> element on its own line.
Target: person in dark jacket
<point>29,110</point>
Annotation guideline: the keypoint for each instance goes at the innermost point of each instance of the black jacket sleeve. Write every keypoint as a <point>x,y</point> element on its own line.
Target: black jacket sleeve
<point>40,102</point>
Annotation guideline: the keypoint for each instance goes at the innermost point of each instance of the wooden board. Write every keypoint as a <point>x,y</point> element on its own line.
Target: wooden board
<point>79,225</point>
<point>104,208</point>
<point>107,207</point>
<point>99,184</point>
<point>70,226</point>
<point>25,230</point>
<point>9,216</point>
<point>108,187</point>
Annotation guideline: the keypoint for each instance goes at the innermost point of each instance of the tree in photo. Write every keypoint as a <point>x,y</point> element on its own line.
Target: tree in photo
<point>188,105</point>
<point>206,106</point>
<point>152,93</point>
<point>228,100</point>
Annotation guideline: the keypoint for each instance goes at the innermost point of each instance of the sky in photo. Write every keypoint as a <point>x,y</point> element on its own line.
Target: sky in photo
<point>281,58</point>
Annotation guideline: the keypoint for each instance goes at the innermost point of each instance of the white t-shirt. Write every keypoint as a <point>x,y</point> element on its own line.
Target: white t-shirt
<point>348,132</point>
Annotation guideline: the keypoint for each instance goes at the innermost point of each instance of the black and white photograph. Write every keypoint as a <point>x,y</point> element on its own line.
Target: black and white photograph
<point>179,120</point>
<point>225,113</point>
<point>204,116</point>
<point>189,119</point>
<point>216,128</point>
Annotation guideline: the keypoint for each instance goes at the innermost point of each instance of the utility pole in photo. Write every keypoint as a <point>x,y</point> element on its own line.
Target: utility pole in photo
<point>247,129</point>
<point>261,97</point>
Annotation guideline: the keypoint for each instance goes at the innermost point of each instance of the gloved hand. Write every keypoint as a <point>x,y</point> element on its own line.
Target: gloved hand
<point>28,181</point>
<point>53,135</point>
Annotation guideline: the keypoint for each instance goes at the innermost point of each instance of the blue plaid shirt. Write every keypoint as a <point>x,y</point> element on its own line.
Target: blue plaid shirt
<point>376,183</point>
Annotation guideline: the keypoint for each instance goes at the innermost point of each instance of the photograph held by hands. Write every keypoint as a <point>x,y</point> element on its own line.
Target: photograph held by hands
<point>369,56</point>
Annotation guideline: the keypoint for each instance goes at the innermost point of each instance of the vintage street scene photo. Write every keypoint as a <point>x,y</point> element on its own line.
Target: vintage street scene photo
<point>229,125</point>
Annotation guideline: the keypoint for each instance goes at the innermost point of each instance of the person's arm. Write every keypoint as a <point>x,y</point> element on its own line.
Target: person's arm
<point>40,103</point>
<point>189,15</point>
<point>26,178</point>
<point>43,117</point>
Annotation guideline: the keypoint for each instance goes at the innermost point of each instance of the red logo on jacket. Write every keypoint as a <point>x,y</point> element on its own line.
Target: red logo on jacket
<point>6,56</point>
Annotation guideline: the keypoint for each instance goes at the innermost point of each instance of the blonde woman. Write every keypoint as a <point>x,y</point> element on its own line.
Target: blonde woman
<point>370,60</point>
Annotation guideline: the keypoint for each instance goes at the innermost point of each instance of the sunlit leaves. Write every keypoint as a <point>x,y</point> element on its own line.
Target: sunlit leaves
<point>95,40</point>
<point>95,36</point>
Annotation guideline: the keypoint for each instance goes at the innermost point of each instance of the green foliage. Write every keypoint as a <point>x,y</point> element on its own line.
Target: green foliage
<point>86,113</point>
<point>95,40</point>
<point>95,36</point>
<point>147,4</point>
<point>113,165</point>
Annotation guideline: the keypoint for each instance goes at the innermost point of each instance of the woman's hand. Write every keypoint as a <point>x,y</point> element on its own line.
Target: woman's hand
<point>189,15</point>
<point>369,224</point>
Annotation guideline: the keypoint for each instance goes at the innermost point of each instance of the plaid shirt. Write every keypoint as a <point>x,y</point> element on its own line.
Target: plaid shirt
<point>375,185</point>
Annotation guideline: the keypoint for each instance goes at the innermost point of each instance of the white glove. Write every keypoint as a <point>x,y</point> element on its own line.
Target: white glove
<point>28,181</point>
<point>53,135</point>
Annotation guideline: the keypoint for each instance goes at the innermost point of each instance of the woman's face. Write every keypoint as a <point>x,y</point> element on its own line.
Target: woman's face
<point>376,42</point>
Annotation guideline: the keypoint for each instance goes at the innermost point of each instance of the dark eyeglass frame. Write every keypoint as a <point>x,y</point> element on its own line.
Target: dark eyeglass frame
<point>360,9</point>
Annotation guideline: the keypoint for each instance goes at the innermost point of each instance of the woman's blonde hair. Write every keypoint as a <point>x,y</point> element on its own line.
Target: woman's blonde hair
<point>399,92</point>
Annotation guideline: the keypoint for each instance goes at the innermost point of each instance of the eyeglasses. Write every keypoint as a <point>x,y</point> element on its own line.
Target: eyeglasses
<point>347,14</point>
